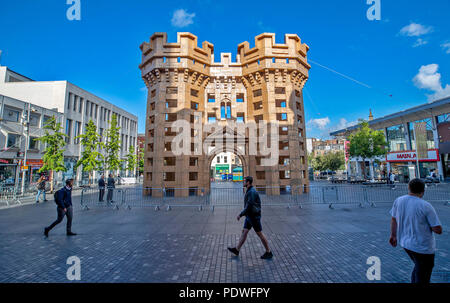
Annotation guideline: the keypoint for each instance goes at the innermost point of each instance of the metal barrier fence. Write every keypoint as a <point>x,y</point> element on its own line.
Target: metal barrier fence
<point>299,196</point>
<point>8,196</point>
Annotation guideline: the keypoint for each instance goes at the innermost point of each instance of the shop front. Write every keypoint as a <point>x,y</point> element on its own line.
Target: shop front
<point>404,164</point>
<point>7,172</point>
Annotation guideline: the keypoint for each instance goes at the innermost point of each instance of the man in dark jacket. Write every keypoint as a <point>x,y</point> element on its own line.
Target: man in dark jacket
<point>101,188</point>
<point>252,213</point>
<point>64,208</point>
<point>111,185</point>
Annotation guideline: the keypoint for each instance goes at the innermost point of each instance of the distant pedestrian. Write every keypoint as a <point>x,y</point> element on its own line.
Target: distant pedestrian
<point>252,213</point>
<point>41,188</point>
<point>413,223</point>
<point>101,188</point>
<point>111,184</point>
<point>63,200</point>
<point>392,180</point>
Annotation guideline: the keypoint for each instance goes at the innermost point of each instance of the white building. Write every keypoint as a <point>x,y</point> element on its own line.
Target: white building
<point>78,106</point>
<point>13,114</point>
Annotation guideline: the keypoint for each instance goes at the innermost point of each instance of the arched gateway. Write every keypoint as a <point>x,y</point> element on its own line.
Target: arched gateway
<point>197,108</point>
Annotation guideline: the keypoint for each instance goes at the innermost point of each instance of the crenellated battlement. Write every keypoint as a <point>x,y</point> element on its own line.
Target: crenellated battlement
<point>185,53</point>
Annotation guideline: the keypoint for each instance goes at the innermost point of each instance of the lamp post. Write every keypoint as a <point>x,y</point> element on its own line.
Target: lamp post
<point>27,132</point>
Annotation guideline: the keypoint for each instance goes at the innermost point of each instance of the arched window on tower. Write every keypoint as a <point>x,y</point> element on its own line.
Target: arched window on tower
<point>222,110</point>
<point>228,110</point>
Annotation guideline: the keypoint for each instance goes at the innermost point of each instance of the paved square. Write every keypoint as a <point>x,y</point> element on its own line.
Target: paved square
<point>312,244</point>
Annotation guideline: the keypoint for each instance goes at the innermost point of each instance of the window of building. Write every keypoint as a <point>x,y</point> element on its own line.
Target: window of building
<point>285,174</point>
<point>282,116</point>
<point>171,103</point>
<point>283,130</point>
<point>240,97</point>
<point>80,106</point>
<point>280,90</point>
<point>34,119</point>
<point>193,176</point>
<point>443,118</point>
<point>257,105</point>
<point>222,111</point>
<point>211,98</point>
<point>194,92</point>
<point>11,114</point>
<point>172,90</point>
<point>77,131</point>
<point>68,101</point>
<point>261,175</point>
<point>429,133</point>
<point>396,138</point>
<point>257,93</point>
<point>280,103</point>
<point>211,118</point>
<point>33,143</point>
<point>68,130</point>
<point>284,145</point>
<point>101,134</point>
<point>168,176</point>
<point>225,159</point>
<point>168,146</point>
<point>193,161</point>
<point>170,117</point>
<point>153,93</point>
<point>258,118</point>
<point>240,117</point>
<point>228,111</point>
<point>45,120</point>
<point>13,141</point>
<point>74,103</point>
<point>194,105</point>
<point>170,161</point>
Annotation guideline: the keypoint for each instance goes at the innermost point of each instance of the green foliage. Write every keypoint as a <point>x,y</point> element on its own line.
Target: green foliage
<point>330,161</point>
<point>54,142</point>
<point>367,143</point>
<point>141,160</point>
<point>112,160</point>
<point>132,159</point>
<point>91,159</point>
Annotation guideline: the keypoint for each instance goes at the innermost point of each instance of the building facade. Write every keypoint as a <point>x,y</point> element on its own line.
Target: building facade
<point>400,132</point>
<point>13,139</point>
<point>322,147</point>
<point>223,102</point>
<point>77,106</point>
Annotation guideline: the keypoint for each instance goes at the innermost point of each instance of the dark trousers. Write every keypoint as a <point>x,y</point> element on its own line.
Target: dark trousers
<point>109,197</point>
<point>61,214</point>
<point>101,193</point>
<point>423,267</point>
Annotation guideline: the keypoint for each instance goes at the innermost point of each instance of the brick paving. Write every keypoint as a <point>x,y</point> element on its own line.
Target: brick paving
<point>312,244</point>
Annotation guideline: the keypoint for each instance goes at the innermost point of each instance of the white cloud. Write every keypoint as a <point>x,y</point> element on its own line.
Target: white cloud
<point>181,18</point>
<point>320,123</point>
<point>446,47</point>
<point>429,78</point>
<point>415,30</point>
<point>420,42</point>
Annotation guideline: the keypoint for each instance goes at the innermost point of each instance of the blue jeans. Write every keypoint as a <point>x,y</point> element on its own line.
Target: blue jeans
<point>39,193</point>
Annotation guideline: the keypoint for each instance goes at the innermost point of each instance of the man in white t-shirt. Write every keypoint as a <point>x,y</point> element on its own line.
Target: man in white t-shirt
<point>412,225</point>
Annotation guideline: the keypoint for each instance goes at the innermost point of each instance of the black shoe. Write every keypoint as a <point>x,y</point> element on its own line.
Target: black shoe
<point>234,250</point>
<point>71,234</point>
<point>45,200</point>
<point>267,255</point>
<point>46,232</point>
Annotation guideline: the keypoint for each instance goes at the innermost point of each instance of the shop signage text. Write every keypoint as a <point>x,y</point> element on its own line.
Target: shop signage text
<point>407,156</point>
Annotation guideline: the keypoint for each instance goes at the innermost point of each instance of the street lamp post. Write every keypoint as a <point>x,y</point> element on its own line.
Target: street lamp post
<point>27,132</point>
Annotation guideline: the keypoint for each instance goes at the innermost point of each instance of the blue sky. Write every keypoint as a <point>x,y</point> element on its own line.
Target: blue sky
<point>406,54</point>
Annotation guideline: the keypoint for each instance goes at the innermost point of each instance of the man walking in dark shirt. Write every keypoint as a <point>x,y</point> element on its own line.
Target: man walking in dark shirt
<point>101,188</point>
<point>111,185</point>
<point>252,213</point>
<point>63,200</point>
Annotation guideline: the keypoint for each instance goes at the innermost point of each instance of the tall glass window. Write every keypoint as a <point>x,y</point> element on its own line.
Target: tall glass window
<point>429,130</point>
<point>396,138</point>
<point>443,118</point>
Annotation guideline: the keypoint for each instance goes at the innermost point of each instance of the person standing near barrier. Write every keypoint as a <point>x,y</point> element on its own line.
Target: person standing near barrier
<point>252,213</point>
<point>413,223</point>
<point>111,185</point>
<point>101,188</point>
<point>41,188</point>
<point>63,200</point>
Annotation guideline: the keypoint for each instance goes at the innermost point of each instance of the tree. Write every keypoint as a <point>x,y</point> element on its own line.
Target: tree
<point>91,159</point>
<point>334,161</point>
<point>141,160</point>
<point>367,143</point>
<point>112,160</point>
<point>54,142</point>
<point>132,160</point>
